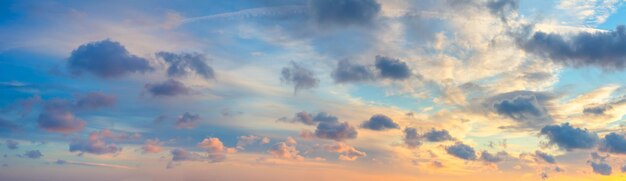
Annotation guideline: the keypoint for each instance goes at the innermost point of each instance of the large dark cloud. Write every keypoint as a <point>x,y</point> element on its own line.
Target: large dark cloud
<point>545,157</point>
<point>347,72</point>
<point>380,122</point>
<point>392,68</point>
<point>335,130</point>
<point>187,120</point>
<point>11,144</point>
<point>298,76</point>
<point>58,117</point>
<point>462,151</point>
<point>106,59</point>
<point>568,138</point>
<point>605,49</point>
<point>601,168</point>
<point>527,108</point>
<point>343,12</point>
<point>170,87</point>
<point>411,138</point>
<point>493,158</point>
<point>183,64</point>
<point>437,135</point>
<point>34,154</point>
<point>613,143</point>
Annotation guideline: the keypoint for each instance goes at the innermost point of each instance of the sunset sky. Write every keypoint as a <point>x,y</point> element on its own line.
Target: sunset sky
<point>312,90</point>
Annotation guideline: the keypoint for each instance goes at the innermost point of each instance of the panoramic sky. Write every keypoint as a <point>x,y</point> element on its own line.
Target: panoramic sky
<point>312,90</point>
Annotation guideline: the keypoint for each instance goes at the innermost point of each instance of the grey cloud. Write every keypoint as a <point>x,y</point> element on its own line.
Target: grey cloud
<point>106,59</point>
<point>462,151</point>
<point>56,117</point>
<point>8,125</point>
<point>438,135</point>
<point>343,12</point>
<point>187,120</point>
<point>309,119</point>
<point>183,64</point>
<point>568,138</point>
<point>527,108</point>
<point>493,158</point>
<point>347,72</point>
<point>545,157</point>
<point>95,100</point>
<point>170,87</point>
<point>98,143</point>
<point>601,168</point>
<point>380,122</point>
<point>502,8</point>
<point>335,130</point>
<point>613,143</point>
<point>298,76</point>
<point>411,138</point>
<point>184,155</point>
<point>34,154</point>
<point>606,50</point>
<point>392,68</point>
<point>11,144</point>
<point>597,110</point>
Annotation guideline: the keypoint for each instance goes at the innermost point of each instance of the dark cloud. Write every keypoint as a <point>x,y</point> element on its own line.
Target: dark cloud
<point>34,154</point>
<point>98,143</point>
<point>568,138</point>
<point>601,168</point>
<point>606,50</point>
<point>57,117</point>
<point>95,100</point>
<point>309,119</point>
<point>184,155</point>
<point>347,72</point>
<point>545,157</point>
<point>343,12</point>
<point>502,8</point>
<point>392,68</point>
<point>597,110</point>
<point>462,151</point>
<point>438,135</point>
<point>298,76</point>
<point>183,64</point>
<point>106,59</point>
<point>411,138</point>
<point>170,87</point>
<point>11,144</point>
<point>335,130</point>
<point>493,158</point>
<point>527,108</point>
<point>613,143</point>
<point>380,122</point>
<point>187,120</point>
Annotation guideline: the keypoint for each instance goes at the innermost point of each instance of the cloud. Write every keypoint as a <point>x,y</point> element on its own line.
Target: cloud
<point>187,121</point>
<point>606,50</point>
<point>411,138</point>
<point>170,87</point>
<point>613,143</point>
<point>380,122</point>
<point>95,100</point>
<point>244,141</point>
<point>184,155</point>
<point>601,168</point>
<point>527,108</point>
<point>493,158</point>
<point>343,12</point>
<point>56,117</point>
<point>461,151</point>
<point>502,8</point>
<point>309,119</point>
<point>335,130</point>
<point>437,135</point>
<point>34,154</point>
<point>347,72</point>
<point>347,152</point>
<point>298,76</point>
<point>11,144</point>
<point>7,125</point>
<point>545,157</point>
<point>392,68</point>
<point>568,138</point>
<point>63,162</point>
<point>105,59</point>
<point>98,143</point>
<point>215,149</point>
<point>152,146</point>
<point>183,64</point>
<point>285,150</point>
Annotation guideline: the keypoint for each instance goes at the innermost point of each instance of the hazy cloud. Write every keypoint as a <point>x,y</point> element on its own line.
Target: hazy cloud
<point>298,76</point>
<point>170,87</point>
<point>183,64</point>
<point>106,59</point>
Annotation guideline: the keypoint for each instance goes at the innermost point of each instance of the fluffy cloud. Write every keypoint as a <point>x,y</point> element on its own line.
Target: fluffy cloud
<point>152,146</point>
<point>347,72</point>
<point>298,76</point>
<point>568,138</point>
<point>285,150</point>
<point>527,108</point>
<point>187,121</point>
<point>11,144</point>
<point>613,143</point>
<point>56,117</point>
<point>545,157</point>
<point>380,122</point>
<point>215,149</point>
<point>343,12</point>
<point>170,87</point>
<point>601,168</point>
<point>106,59</point>
<point>392,68</point>
<point>437,135</point>
<point>244,141</point>
<point>411,138</point>
<point>346,152</point>
<point>98,142</point>
<point>462,151</point>
<point>493,158</point>
<point>606,50</point>
<point>335,130</point>
<point>183,64</point>
<point>34,154</point>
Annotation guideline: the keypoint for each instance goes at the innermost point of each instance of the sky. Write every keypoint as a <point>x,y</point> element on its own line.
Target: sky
<point>312,90</point>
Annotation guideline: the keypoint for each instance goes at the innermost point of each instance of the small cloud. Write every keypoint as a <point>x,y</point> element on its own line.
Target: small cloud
<point>545,157</point>
<point>183,64</point>
<point>187,121</point>
<point>380,122</point>
<point>152,146</point>
<point>11,144</point>
<point>33,154</point>
<point>392,68</point>
<point>106,59</point>
<point>299,76</point>
<point>170,87</point>
<point>462,151</point>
